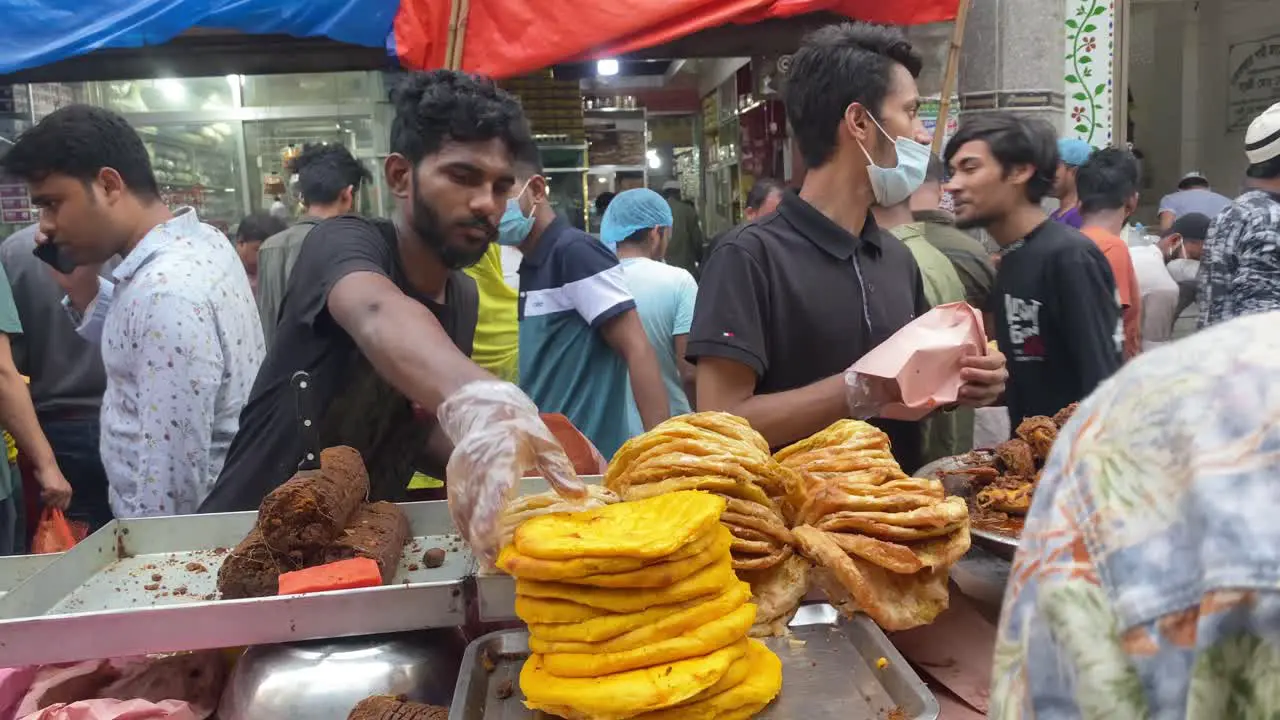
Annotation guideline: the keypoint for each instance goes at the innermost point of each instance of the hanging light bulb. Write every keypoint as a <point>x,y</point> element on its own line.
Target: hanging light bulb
<point>607,67</point>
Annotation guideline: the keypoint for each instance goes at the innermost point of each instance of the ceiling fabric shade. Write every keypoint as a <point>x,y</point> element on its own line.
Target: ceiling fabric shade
<point>504,38</point>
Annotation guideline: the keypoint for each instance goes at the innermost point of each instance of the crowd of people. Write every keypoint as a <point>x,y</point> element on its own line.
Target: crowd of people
<point>160,355</point>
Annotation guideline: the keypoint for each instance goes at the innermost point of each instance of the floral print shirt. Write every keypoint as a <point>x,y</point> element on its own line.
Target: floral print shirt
<point>1240,270</point>
<point>181,343</point>
<point>1147,582</point>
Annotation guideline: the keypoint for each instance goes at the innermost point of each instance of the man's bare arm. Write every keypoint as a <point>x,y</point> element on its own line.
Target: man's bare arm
<point>403,341</point>
<point>19,416</point>
<point>782,417</point>
<point>625,334</point>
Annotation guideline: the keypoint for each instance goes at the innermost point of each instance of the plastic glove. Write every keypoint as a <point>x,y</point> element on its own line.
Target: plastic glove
<point>866,395</point>
<point>497,434</point>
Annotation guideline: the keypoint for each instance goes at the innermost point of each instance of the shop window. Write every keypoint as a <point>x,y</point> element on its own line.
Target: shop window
<point>196,164</point>
<point>270,144</point>
<point>163,94</point>
<point>312,89</point>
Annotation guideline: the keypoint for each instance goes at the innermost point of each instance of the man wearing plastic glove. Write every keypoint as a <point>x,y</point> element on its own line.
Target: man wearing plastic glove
<point>789,302</point>
<point>382,317</point>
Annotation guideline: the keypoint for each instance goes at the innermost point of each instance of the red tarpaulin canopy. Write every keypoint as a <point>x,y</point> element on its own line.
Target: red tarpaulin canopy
<point>513,37</point>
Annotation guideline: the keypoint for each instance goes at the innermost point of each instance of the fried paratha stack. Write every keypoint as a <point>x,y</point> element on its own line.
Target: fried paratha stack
<point>884,541</point>
<point>634,611</point>
<point>722,454</point>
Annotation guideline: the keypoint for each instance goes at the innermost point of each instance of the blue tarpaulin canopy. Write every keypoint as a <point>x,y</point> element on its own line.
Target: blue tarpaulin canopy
<point>39,32</point>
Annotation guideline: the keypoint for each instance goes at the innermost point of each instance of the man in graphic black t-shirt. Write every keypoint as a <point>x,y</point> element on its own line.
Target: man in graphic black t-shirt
<point>1054,304</point>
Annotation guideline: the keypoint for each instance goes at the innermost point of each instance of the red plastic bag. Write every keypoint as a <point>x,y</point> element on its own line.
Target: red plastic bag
<point>54,533</point>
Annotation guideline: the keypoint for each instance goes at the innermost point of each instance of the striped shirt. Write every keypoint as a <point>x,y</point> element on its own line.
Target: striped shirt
<point>1240,270</point>
<point>570,286</point>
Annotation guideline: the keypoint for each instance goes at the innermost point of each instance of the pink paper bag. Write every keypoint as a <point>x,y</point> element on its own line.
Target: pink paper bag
<point>917,370</point>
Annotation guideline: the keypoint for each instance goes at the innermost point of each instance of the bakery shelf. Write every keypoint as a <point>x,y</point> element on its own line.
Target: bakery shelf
<point>148,586</point>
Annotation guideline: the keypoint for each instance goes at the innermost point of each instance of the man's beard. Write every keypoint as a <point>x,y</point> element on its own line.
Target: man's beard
<point>427,223</point>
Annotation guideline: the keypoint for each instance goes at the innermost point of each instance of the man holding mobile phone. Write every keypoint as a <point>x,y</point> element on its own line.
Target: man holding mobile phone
<point>65,372</point>
<point>177,324</point>
<point>18,416</point>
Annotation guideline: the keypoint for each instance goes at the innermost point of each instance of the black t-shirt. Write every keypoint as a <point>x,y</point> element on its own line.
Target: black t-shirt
<point>357,407</point>
<point>784,295</point>
<point>1057,320</point>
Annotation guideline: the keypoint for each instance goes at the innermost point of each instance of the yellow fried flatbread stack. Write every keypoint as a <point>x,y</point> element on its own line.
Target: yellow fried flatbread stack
<point>719,453</point>
<point>634,610</point>
<point>722,454</point>
<point>526,507</point>
<point>884,542</point>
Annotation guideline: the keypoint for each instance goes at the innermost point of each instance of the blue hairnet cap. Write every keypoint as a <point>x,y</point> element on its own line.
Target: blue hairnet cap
<point>1074,151</point>
<point>633,210</point>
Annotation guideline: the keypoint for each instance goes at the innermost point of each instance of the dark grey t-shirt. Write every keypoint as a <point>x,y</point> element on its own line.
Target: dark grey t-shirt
<point>65,370</point>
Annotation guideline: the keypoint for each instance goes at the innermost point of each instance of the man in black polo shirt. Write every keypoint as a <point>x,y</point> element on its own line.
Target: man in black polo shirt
<point>1057,314</point>
<point>382,317</point>
<point>788,302</point>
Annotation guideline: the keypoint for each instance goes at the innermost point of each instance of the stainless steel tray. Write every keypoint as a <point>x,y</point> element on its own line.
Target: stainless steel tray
<point>1000,544</point>
<point>828,673</point>
<point>15,569</point>
<point>144,586</point>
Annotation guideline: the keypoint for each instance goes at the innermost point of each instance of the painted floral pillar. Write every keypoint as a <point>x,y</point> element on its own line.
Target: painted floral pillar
<point>1090,43</point>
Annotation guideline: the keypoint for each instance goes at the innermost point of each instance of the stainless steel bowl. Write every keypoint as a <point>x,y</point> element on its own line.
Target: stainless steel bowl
<point>324,679</point>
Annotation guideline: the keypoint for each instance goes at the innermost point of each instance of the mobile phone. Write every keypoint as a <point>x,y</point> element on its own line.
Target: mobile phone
<point>54,258</point>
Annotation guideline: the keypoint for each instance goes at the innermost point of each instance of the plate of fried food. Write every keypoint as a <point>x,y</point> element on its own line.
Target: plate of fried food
<point>999,483</point>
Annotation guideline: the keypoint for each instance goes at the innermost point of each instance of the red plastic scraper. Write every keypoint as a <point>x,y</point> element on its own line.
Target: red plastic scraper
<point>340,575</point>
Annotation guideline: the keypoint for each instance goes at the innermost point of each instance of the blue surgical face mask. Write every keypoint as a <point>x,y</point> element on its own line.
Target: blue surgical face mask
<point>514,227</point>
<point>894,185</point>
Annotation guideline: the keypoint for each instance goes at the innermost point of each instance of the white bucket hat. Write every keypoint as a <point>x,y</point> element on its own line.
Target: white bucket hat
<point>1262,141</point>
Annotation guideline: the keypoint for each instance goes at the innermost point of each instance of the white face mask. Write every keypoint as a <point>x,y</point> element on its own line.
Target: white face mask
<point>894,185</point>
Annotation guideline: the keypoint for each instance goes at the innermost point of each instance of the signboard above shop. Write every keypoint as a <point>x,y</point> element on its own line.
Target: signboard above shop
<point>1254,81</point>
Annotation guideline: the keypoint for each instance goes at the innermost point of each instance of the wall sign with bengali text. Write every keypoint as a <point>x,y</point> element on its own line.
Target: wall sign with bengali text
<point>1253,84</point>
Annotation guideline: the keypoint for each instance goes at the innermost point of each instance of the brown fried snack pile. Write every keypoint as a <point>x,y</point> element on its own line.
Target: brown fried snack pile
<point>1008,476</point>
<point>386,707</point>
<point>317,517</point>
<point>722,454</point>
<point>883,542</point>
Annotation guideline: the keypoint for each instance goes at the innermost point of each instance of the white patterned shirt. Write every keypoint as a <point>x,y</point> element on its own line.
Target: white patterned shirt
<point>181,343</point>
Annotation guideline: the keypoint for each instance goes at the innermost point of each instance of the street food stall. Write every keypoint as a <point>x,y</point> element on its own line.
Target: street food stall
<point>823,564</point>
<point>747,583</point>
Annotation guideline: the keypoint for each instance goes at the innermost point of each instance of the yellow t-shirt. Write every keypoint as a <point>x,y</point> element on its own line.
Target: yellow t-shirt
<point>497,341</point>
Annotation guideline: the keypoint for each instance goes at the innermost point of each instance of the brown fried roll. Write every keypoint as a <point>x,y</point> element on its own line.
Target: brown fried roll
<point>301,517</point>
<point>379,532</point>
<point>250,570</point>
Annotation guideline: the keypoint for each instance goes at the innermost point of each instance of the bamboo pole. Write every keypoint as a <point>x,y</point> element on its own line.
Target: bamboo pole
<point>451,36</point>
<point>949,77</point>
<point>458,12</point>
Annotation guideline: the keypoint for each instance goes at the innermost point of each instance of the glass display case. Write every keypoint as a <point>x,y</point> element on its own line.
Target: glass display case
<point>564,165</point>
<point>269,142</point>
<point>343,88</point>
<point>197,165</point>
